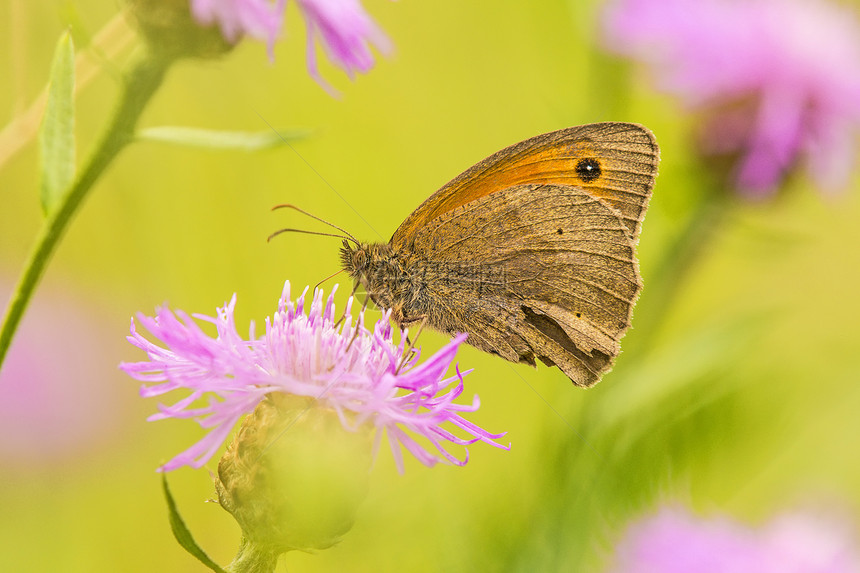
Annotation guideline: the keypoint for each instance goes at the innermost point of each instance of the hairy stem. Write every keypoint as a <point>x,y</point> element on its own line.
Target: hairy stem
<point>140,84</point>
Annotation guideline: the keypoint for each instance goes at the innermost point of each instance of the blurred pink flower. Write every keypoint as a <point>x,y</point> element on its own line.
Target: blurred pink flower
<point>674,541</point>
<point>58,399</point>
<point>778,80</point>
<point>260,19</point>
<point>346,33</point>
<point>351,370</point>
<point>343,27</point>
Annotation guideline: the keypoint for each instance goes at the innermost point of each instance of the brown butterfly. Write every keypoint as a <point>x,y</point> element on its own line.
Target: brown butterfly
<point>530,252</point>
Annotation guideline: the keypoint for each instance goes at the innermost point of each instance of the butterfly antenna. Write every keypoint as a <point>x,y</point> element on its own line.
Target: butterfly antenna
<point>347,234</point>
<point>279,231</point>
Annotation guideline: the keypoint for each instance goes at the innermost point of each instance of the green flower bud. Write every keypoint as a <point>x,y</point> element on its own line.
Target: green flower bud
<point>294,477</point>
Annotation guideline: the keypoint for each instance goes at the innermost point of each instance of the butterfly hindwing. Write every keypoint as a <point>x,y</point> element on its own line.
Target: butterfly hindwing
<point>543,272</point>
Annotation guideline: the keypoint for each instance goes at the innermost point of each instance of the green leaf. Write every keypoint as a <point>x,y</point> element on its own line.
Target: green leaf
<point>213,139</point>
<point>57,135</point>
<point>181,533</point>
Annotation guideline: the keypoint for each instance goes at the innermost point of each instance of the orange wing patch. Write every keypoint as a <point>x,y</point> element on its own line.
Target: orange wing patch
<point>615,162</point>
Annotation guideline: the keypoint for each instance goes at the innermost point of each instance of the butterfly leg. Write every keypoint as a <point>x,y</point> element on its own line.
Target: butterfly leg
<point>357,326</point>
<point>411,344</point>
<point>351,294</point>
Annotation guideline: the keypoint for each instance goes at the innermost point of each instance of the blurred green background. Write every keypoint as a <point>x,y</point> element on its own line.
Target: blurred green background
<point>744,401</point>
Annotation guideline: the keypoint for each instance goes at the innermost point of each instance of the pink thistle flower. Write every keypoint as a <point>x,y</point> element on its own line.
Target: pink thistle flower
<point>351,370</point>
<point>777,80</point>
<point>343,27</point>
<point>673,541</point>
<point>346,32</point>
<point>260,19</point>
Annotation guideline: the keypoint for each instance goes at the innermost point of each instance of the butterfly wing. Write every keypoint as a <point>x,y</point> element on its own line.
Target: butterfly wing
<point>614,162</point>
<point>532,271</point>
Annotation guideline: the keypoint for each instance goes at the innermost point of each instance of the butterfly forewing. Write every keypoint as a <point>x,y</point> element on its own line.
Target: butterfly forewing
<point>615,162</point>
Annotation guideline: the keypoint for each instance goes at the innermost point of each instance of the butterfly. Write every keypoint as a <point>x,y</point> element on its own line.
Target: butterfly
<point>530,251</point>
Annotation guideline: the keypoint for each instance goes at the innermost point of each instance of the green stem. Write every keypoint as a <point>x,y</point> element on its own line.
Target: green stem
<point>593,495</point>
<point>253,558</point>
<point>141,83</point>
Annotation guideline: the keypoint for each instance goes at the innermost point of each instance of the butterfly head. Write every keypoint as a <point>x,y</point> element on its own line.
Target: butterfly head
<point>361,260</point>
<point>353,258</point>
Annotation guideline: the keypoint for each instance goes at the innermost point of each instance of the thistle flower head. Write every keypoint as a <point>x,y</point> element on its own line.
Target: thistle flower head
<point>777,82</point>
<point>350,370</point>
<point>346,33</point>
<point>343,28</point>
<point>259,19</point>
